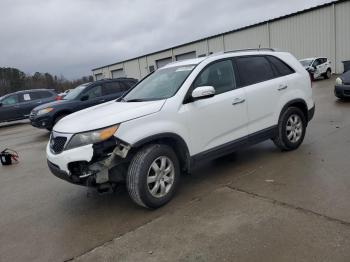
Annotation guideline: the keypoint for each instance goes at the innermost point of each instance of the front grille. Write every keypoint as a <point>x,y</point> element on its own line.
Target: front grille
<point>57,143</point>
<point>347,92</point>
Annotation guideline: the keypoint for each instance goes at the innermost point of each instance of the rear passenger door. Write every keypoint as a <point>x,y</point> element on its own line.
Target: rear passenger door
<point>113,90</point>
<point>264,84</point>
<point>28,100</point>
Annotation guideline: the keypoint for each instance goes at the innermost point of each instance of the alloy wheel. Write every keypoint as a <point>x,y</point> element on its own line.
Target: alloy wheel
<point>294,128</point>
<point>160,177</point>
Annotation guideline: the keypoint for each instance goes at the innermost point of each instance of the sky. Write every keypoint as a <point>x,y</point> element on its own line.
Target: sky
<point>70,37</point>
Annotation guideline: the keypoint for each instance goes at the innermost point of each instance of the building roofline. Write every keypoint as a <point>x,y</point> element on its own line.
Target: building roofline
<point>228,32</point>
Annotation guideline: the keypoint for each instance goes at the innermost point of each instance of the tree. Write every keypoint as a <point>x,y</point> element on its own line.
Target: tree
<point>12,80</point>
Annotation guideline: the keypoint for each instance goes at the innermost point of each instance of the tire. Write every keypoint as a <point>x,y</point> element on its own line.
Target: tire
<point>142,177</point>
<point>294,120</point>
<point>328,74</point>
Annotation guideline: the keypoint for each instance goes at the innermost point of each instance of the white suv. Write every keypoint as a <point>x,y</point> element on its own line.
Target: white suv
<point>318,67</point>
<point>183,113</point>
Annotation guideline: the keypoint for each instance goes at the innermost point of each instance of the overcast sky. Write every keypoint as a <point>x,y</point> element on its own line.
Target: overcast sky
<point>71,37</point>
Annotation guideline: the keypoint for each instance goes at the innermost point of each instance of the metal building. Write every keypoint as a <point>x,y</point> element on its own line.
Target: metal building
<point>319,31</point>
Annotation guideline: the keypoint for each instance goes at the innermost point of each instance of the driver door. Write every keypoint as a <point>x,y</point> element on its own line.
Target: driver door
<point>91,97</point>
<point>317,65</point>
<point>215,123</point>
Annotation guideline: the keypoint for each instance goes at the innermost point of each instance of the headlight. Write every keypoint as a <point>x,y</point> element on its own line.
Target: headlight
<point>91,137</point>
<point>339,81</point>
<point>44,111</point>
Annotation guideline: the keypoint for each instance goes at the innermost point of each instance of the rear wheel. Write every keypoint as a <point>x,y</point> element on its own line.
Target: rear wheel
<point>291,129</point>
<point>153,176</point>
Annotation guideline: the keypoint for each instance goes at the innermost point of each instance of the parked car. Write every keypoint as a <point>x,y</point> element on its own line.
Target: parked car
<point>63,94</point>
<point>342,86</point>
<point>17,106</point>
<point>318,67</point>
<point>83,96</point>
<point>180,115</point>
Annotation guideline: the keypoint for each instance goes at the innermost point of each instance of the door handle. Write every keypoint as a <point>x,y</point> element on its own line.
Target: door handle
<point>238,101</point>
<point>282,87</point>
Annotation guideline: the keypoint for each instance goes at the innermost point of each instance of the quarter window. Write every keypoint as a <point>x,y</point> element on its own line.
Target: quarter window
<point>35,95</point>
<point>45,94</point>
<point>254,69</point>
<point>281,68</point>
<point>219,75</point>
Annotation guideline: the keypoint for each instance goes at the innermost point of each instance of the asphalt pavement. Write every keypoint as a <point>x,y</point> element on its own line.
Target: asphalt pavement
<point>258,204</point>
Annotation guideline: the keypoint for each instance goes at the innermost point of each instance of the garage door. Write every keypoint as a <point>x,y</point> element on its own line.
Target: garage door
<point>118,73</point>
<point>185,56</point>
<point>162,62</point>
<point>98,76</point>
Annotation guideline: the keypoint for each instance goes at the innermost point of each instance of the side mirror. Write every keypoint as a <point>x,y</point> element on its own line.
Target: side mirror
<point>84,98</point>
<point>202,92</point>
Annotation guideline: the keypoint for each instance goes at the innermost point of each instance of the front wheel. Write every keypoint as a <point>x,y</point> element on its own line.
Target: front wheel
<point>291,129</point>
<point>153,176</point>
<point>328,74</point>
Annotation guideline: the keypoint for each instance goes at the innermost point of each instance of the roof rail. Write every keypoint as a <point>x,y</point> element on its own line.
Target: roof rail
<point>252,50</point>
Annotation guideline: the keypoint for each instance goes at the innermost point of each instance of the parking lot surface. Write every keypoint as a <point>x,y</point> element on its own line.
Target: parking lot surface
<point>254,205</point>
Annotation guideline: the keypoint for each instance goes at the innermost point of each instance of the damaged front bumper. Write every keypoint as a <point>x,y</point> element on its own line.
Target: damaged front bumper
<point>90,165</point>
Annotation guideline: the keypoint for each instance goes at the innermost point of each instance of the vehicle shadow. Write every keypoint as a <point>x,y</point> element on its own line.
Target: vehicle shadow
<point>14,124</point>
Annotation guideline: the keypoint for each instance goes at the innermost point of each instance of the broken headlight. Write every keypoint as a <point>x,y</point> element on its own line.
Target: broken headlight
<point>91,137</point>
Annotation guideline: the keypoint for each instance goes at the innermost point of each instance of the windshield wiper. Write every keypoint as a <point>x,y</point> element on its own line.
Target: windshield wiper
<point>135,100</point>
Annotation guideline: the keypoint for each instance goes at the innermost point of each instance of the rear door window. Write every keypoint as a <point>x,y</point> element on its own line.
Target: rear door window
<point>254,69</point>
<point>25,97</point>
<point>113,88</point>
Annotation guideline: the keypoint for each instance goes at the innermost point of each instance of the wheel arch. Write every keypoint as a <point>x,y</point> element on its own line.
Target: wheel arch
<point>175,141</point>
<point>60,113</point>
<point>299,103</point>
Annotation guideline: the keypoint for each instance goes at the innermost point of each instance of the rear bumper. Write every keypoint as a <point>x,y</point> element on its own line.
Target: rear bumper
<point>342,91</point>
<point>311,113</point>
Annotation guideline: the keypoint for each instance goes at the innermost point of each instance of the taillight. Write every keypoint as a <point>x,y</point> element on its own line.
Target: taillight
<point>57,98</point>
<point>311,79</point>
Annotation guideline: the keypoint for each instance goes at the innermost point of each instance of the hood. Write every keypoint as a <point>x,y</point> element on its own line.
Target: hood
<point>105,115</point>
<point>346,77</point>
<point>54,104</point>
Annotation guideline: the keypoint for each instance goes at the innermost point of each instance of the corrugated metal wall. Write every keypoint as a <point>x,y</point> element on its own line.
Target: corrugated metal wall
<point>305,35</point>
<point>320,32</point>
<point>342,14</point>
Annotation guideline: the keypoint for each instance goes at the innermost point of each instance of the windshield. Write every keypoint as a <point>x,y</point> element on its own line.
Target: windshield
<point>306,62</point>
<point>74,93</point>
<point>162,84</point>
